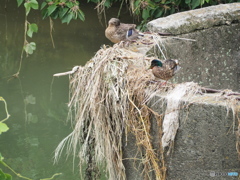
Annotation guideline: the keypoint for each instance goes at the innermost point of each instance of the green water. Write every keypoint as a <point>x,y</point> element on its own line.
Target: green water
<point>28,147</point>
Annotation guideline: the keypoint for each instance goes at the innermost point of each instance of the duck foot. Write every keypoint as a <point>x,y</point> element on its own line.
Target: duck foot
<point>163,83</point>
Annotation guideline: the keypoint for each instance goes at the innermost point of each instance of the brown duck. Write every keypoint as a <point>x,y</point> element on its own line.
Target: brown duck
<point>164,70</point>
<point>117,31</point>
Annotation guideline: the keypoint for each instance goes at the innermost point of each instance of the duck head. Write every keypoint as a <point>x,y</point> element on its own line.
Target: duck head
<point>114,22</point>
<point>154,63</point>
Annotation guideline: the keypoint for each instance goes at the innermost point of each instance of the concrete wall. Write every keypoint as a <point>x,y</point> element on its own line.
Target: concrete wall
<point>203,142</point>
<point>213,60</point>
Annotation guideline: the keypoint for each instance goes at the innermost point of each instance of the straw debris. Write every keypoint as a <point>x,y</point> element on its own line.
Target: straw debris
<point>109,97</point>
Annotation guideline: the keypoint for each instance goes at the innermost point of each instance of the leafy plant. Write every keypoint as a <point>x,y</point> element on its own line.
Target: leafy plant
<point>5,176</point>
<point>152,9</point>
<point>3,126</point>
<point>29,28</point>
<point>66,10</point>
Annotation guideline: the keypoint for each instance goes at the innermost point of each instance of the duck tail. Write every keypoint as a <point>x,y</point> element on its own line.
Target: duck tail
<point>176,69</point>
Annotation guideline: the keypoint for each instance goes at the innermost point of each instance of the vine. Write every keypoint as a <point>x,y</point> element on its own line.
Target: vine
<point>67,10</point>
<point>6,176</point>
<point>4,128</point>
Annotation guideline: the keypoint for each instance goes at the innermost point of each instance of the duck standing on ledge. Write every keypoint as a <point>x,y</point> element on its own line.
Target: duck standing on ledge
<point>117,31</point>
<point>164,70</point>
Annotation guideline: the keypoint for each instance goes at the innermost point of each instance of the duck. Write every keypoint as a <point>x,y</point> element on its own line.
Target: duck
<point>118,32</point>
<point>164,70</point>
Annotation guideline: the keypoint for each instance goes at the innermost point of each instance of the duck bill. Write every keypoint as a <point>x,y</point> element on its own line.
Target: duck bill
<point>150,67</point>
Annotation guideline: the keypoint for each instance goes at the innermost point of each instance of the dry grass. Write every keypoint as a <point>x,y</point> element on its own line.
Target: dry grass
<point>108,97</point>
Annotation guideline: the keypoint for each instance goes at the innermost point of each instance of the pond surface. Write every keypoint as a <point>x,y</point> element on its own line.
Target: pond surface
<point>36,102</point>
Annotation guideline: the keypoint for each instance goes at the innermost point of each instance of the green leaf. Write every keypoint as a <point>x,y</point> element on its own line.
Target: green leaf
<point>34,27</point>
<point>95,1</point>
<point>187,2</point>
<point>203,1</point>
<point>51,9</point>
<point>44,13</point>
<point>30,47</point>
<point>69,4</point>
<point>30,4</point>
<point>137,3</point>
<point>2,175</point>
<point>33,44</point>
<point>172,10</point>
<point>31,29</point>
<point>3,127</point>
<point>145,14</point>
<point>62,12</point>
<point>5,176</point>
<point>81,15</point>
<point>158,12</point>
<point>29,32</point>
<point>67,18</point>
<point>151,4</point>
<point>107,4</point>
<point>1,157</point>
<point>55,14</point>
<point>195,3</point>
<point>19,2</point>
<point>8,176</point>
<point>43,5</point>
<point>27,6</point>
<point>34,4</point>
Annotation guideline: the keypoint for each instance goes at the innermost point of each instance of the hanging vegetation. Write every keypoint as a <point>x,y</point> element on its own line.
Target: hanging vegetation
<point>108,99</point>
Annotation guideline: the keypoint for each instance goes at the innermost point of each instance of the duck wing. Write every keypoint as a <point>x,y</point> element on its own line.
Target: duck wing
<point>171,65</point>
<point>127,26</point>
<point>128,31</point>
<point>113,34</point>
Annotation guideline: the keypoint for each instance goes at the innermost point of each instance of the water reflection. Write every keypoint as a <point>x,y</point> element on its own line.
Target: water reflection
<point>29,144</point>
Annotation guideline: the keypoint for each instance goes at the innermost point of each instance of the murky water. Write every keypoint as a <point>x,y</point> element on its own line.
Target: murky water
<point>29,145</point>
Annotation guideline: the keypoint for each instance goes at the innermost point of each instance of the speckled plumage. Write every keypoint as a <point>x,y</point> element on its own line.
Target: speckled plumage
<point>117,31</point>
<point>164,70</point>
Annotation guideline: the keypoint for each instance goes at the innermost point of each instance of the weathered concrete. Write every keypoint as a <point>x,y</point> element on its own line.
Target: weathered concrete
<point>189,21</point>
<point>214,59</point>
<point>204,142</point>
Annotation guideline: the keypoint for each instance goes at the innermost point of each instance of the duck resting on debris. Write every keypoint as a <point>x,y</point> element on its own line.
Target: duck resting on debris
<point>117,31</point>
<point>120,32</point>
<point>164,70</point>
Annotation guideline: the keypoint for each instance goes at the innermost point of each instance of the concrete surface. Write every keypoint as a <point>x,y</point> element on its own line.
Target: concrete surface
<point>205,144</point>
<point>213,60</point>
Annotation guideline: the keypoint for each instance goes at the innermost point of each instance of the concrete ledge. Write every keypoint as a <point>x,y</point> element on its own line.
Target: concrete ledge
<point>189,21</point>
<point>205,141</point>
<point>213,59</point>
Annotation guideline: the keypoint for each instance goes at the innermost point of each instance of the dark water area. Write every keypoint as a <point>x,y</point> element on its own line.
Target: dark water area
<point>37,103</point>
